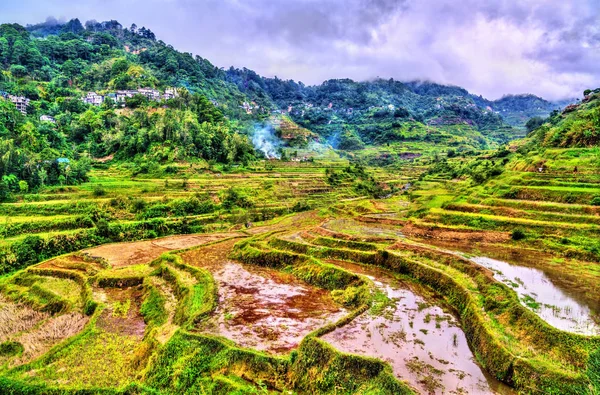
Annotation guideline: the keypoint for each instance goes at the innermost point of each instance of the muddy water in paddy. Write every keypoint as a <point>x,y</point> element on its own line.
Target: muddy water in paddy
<point>538,293</point>
<point>557,302</point>
<point>261,308</point>
<point>422,342</point>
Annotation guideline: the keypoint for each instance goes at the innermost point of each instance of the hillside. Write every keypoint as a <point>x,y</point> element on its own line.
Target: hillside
<point>168,227</point>
<point>104,91</point>
<point>577,125</point>
<point>373,111</point>
<point>514,110</point>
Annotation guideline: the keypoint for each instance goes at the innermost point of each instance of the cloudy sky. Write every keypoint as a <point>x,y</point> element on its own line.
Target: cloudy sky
<point>491,47</point>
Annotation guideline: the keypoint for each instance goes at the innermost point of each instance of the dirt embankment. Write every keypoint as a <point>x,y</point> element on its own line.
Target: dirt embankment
<point>134,253</point>
<point>447,234</point>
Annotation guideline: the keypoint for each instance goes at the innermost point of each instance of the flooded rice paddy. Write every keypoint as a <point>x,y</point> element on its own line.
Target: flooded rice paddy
<point>558,302</point>
<point>262,308</point>
<point>539,293</point>
<point>422,342</point>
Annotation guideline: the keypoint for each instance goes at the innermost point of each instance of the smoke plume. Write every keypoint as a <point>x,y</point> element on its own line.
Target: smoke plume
<point>265,141</point>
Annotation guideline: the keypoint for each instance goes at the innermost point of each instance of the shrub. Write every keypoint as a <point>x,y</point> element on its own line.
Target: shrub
<point>233,198</point>
<point>570,198</point>
<point>138,205</point>
<point>155,211</point>
<point>595,201</point>
<point>98,191</point>
<point>11,348</point>
<point>518,234</point>
<point>90,307</point>
<point>171,169</point>
<point>102,227</point>
<point>23,186</point>
<point>301,205</point>
<point>28,249</point>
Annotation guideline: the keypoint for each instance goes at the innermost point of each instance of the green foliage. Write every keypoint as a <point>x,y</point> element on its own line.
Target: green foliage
<point>578,125</point>
<point>234,198</point>
<point>518,234</point>
<point>153,307</point>
<point>11,348</point>
<point>98,191</point>
<point>594,369</point>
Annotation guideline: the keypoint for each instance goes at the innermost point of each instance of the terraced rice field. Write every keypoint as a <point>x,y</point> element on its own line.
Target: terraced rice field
<point>167,289</point>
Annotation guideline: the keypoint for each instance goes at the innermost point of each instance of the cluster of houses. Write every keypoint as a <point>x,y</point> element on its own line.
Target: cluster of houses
<point>120,96</point>
<point>248,107</point>
<point>20,102</point>
<point>95,99</point>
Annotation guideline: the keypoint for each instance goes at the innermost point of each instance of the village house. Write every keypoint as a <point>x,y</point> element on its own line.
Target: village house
<point>47,118</point>
<point>170,93</point>
<point>122,95</point>
<point>93,98</point>
<point>151,94</point>
<point>20,102</point>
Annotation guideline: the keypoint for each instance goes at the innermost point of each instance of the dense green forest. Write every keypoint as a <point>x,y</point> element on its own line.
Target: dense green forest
<point>54,68</point>
<point>56,136</point>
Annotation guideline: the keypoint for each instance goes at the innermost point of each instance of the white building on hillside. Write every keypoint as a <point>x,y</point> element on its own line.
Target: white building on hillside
<point>47,118</point>
<point>122,95</point>
<point>20,102</point>
<point>93,98</point>
<point>170,93</point>
<point>151,94</point>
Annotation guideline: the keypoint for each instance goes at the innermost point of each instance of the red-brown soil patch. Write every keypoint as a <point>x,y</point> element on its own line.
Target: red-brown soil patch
<point>134,253</point>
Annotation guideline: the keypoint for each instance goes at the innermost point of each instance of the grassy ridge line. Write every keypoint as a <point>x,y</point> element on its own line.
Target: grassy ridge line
<point>562,195</point>
<point>89,305</point>
<point>35,249</point>
<point>15,229</point>
<point>497,221</point>
<point>499,360</point>
<point>195,302</point>
<point>11,386</point>
<point>517,213</point>
<point>54,303</point>
<point>545,206</point>
<point>186,364</point>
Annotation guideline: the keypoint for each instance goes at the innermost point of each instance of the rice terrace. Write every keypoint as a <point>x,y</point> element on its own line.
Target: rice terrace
<point>171,227</point>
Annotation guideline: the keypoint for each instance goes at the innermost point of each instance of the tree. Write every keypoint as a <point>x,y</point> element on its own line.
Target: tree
<point>23,186</point>
<point>534,123</point>
<point>18,71</point>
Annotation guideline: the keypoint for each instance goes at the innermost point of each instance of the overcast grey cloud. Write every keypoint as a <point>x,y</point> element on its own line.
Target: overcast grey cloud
<point>491,47</point>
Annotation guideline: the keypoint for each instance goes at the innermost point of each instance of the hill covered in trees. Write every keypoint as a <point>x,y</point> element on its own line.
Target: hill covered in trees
<point>577,125</point>
<point>54,72</point>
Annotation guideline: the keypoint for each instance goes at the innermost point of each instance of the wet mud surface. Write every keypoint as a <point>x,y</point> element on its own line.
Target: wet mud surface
<point>422,342</point>
<point>261,308</point>
<point>122,313</point>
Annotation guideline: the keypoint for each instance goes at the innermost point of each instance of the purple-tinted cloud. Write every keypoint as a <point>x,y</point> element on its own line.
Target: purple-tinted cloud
<point>491,47</point>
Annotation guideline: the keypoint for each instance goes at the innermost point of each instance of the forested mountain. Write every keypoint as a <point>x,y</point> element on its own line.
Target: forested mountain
<point>103,90</point>
<point>47,70</point>
<point>371,111</point>
<point>577,125</point>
